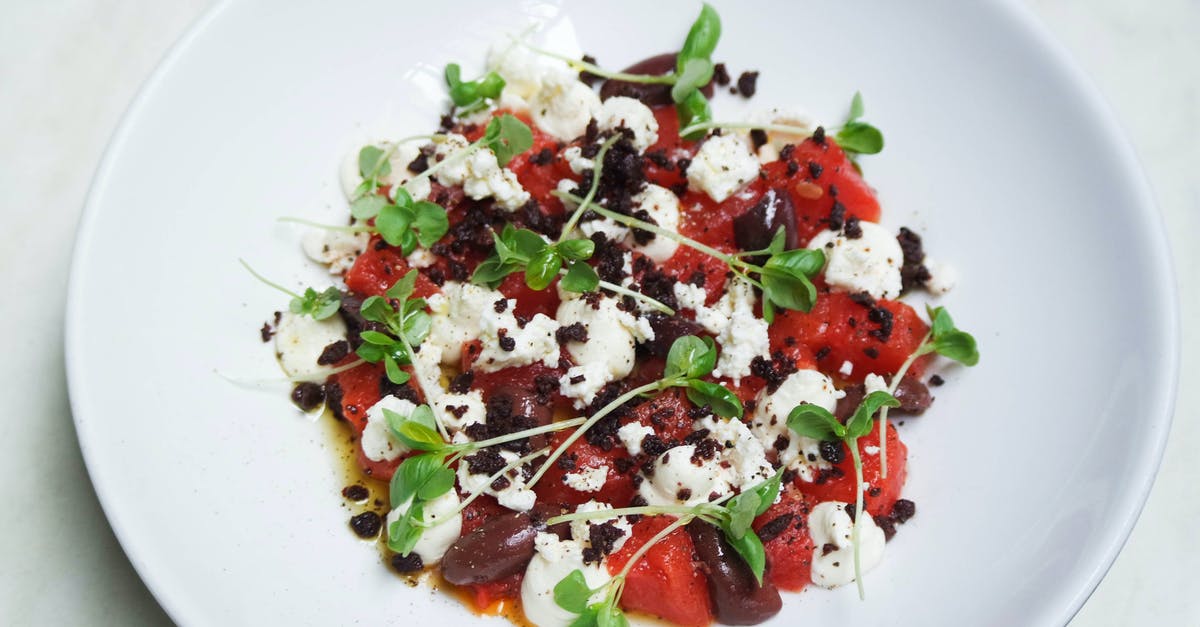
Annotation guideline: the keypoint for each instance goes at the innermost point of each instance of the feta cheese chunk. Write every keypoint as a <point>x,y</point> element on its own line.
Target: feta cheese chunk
<point>722,167</point>
<point>459,411</point>
<point>632,435</point>
<point>663,206</point>
<point>464,312</point>
<point>768,423</point>
<point>563,106</point>
<point>514,494</point>
<point>681,477</point>
<point>741,334</point>
<point>336,249</point>
<point>555,559</point>
<point>300,340</point>
<point>479,174</point>
<point>576,161</point>
<point>377,441</point>
<point>455,318</point>
<point>507,344</point>
<point>830,525</point>
<point>942,277</point>
<point>869,263</point>
<point>581,529</point>
<point>445,526</point>
<point>587,479</point>
<point>630,113</point>
<point>608,353</point>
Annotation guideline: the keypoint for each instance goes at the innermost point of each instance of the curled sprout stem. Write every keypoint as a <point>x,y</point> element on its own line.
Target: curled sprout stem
<point>519,435</point>
<point>591,68</point>
<point>859,513</point>
<point>266,281</point>
<point>892,387</point>
<point>598,166</point>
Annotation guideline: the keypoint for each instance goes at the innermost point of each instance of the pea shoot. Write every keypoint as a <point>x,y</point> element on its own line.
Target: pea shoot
<point>785,278</point>
<point>732,515</point>
<point>816,422</point>
<point>472,96</point>
<point>856,136</point>
<point>316,305</point>
<point>407,325</point>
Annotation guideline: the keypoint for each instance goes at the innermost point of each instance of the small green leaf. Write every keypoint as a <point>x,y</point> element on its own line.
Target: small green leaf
<point>420,437</point>
<point>572,592</point>
<point>767,493</point>
<point>376,309</point>
<point>940,321</point>
<point>367,207</point>
<point>693,110</point>
<point>373,162</point>
<point>723,402</point>
<point>743,508</point>
<point>404,534</point>
<point>696,74</point>
<point>377,338</point>
<point>860,423</point>
<point>588,617</point>
<point>861,138</point>
<point>327,303</point>
<point>393,223</point>
<point>701,39</point>
<point>510,137</point>
<point>610,616</point>
<point>394,373</point>
<point>439,482</point>
<point>543,268</point>
<point>576,249</point>
<point>526,243</point>
<point>959,346</point>
<point>430,221</point>
<point>492,271</point>
<point>856,107</point>
<point>491,85</point>
<point>417,326</point>
<point>684,352</point>
<point>814,421</point>
<point>403,287</point>
<point>580,278</point>
<point>750,547</point>
<point>453,74</point>
<point>789,292</point>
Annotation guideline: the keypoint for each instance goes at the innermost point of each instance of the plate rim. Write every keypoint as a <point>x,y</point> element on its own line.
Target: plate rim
<point>1023,19</point>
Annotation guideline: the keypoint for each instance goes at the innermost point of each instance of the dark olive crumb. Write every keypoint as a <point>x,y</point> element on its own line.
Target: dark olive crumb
<point>366,525</point>
<point>747,84</point>
<point>266,332</point>
<point>903,510</point>
<point>823,352</point>
<point>574,332</point>
<point>587,78</point>
<point>507,344</point>
<point>356,492</point>
<point>819,135</point>
<point>832,452</point>
<point>407,564</point>
<point>721,74</point>
<point>461,382</point>
<point>334,353</point>
<point>871,352</point>
<point>758,137</point>
<point>308,395</point>
<point>774,527</point>
<point>936,380</point>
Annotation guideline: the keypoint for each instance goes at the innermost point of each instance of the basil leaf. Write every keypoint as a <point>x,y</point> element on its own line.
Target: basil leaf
<point>367,207</point>
<point>580,278</point>
<point>683,353</point>
<point>438,482</point>
<point>492,271</point>
<point>959,346</point>
<point>703,363</point>
<point>576,249</point>
<point>860,422</point>
<point>511,137</point>
<point>767,493</point>
<point>814,421</point>
<point>404,534</point>
<point>542,268</point>
<point>742,510</point>
<point>491,85</point>
<point>420,437</point>
<point>861,138</point>
<point>723,402</point>
<point>430,221</point>
<point>453,74</point>
<point>787,291</point>
<point>701,39</point>
<point>696,74</point>
<point>572,592</point>
<point>750,547</point>
<point>693,110</point>
<point>801,262</point>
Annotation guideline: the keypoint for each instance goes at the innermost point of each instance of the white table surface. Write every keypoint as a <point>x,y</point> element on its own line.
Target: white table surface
<point>68,69</point>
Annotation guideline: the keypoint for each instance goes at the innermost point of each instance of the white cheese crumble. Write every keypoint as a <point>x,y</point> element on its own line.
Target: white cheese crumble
<point>846,369</point>
<point>741,334</point>
<point>300,340</point>
<point>678,480</point>
<point>608,353</point>
<point>581,529</point>
<point>874,383</point>
<point>445,525</point>
<point>455,317</point>
<point>829,524</point>
<point>630,113</point>
<point>632,435</point>
<point>336,249</point>
<point>523,73</point>
<point>742,455</point>
<point>400,158</point>
<point>515,495</point>
<point>722,166</point>
<point>776,140</point>
<point>555,559</point>
<point>610,228</point>
<point>563,106</point>
<point>530,344</point>
<point>690,296</point>
<point>769,421</point>
<point>376,439</point>
<point>942,277</point>
<point>663,206</point>
<point>459,411</point>
<point>869,263</point>
<point>576,161</point>
<point>587,479</point>
<point>479,174</point>
<point>421,258</point>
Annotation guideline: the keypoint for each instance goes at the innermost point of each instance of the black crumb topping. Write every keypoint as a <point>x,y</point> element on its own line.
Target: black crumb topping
<point>747,83</point>
<point>308,395</point>
<point>913,272</point>
<point>507,344</point>
<point>814,170</point>
<point>832,452</point>
<point>486,462</point>
<point>774,527</point>
<point>871,352</point>
<point>936,380</point>
<point>884,319</point>
<point>266,332</point>
<point>586,77</point>
<point>610,259</point>
<point>402,391</point>
<point>500,305</point>
<point>366,525</point>
<point>461,382</point>
<point>720,74</point>
<point>837,216</point>
<point>545,385</point>
<point>773,371</point>
<point>406,564</point>
<point>758,137</point>
<point>568,462</point>
<point>787,151</point>
<point>819,135</point>
<point>602,538</point>
<point>823,352</point>
<point>543,157</point>
<point>574,332</point>
<point>853,229</point>
<point>334,353</point>
<point>355,492</point>
<point>903,510</point>
<point>333,399</point>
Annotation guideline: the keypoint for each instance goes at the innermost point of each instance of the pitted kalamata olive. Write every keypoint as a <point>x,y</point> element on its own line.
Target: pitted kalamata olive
<point>500,547</point>
<point>651,95</point>
<point>913,395</point>
<point>525,403</point>
<point>754,229</point>
<point>545,511</point>
<point>737,597</point>
<point>667,329</point>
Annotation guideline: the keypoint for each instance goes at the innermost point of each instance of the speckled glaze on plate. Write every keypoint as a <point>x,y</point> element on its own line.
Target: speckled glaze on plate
<point>1029,473</point>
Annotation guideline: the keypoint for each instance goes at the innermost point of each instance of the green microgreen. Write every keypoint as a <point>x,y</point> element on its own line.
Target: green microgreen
<point>785,277</point>
<point>816,422</point>
<point>856,136</point>
<point>375,163</point>
<point>472,96</point>
<point>404,222</point>
<point>407,325</point>
<point>317,305</point>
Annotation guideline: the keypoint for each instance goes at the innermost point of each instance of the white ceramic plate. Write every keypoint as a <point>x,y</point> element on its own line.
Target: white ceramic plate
<point>1028,472</point>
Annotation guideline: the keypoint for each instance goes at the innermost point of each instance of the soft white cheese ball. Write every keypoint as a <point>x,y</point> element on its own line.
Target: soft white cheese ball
<point>869,263</point>
<point>300,340</point>
<point>479,173</point>
<point>610,336</point>
<point>563,106</point>
<point>376,439</point>
<point>663,206</point>
<point>722,167</point>
<point>680,480</point>
<point>554,560</point>
<point>630,113</point>
<point>336,249</point>
<point>455,318</point>
<point>442,513</point>
<point>769,421</point>
<point>829,524</point>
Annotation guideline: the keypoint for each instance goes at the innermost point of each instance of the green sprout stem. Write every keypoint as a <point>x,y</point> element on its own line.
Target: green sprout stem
<point>516,463</point>
<point>892,387</point>
<point>519,435</point>
<point>387,154</point>
<point>267,281</point>
<point>624,291</point>
<point>355,228</point>
<point>591,195</point>
<point>591,68</point>
<point>859,513</point>
<point>778,128</point>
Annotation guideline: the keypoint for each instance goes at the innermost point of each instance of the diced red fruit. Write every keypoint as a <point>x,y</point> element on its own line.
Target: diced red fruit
<point>382,470</point>
<point>479,511</point>
<point>522,377</point>
<point>377,270</point>
<point>829,325</point>
<point>485,596</point>
<point>811,197</point>
<point>529,300</point>
<point>552,488</point>
<point>789,553</point>
<point>687,261</point>
<point>360,390</point>
<point>667,414</point>
<point>882,493</point>
<point>666,582</point>
<point>673,146</point>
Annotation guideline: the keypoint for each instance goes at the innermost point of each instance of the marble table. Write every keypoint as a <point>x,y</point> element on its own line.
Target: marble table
<point>68,69</point>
